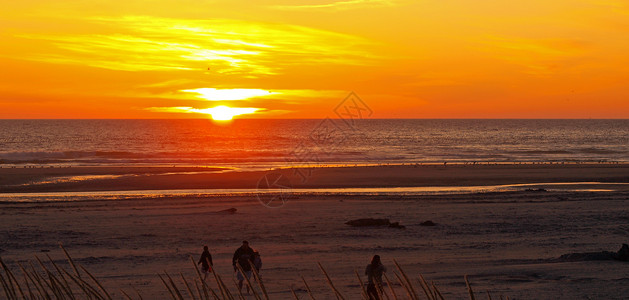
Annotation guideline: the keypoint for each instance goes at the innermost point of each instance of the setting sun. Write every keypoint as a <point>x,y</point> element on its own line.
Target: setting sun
<point>218,113</point>
<point>225,113</point>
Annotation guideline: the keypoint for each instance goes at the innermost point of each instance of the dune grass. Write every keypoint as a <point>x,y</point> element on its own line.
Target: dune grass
<point>54,282</point>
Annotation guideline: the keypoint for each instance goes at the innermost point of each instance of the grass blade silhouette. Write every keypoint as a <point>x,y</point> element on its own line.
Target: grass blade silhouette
<point>256,275</point>
<point>434,287</point>
<point>244,275</point>
<point>203,284</point>
<point>172,294</point>
<point>26,280</point>
<point>175,288</point>
<point>5,287</point>
<point>126,295</point>
<point>9,281</point>
<point>66,284</point>
<point>403,284</point>
<point>97,282</point>
<point>408,282</point>
<point>469,288</point>
<point>240,295</point>
<point>336,292</point>
<point>70,261</point>
<point>362,286</point>
<point>188,287</point>
<point>308,288</point>
<point>294,294</point>
<point>393,294</point>
<point>424,285</point>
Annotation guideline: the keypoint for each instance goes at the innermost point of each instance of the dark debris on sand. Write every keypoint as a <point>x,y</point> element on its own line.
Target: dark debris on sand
<point>621,255</point>
<point>428,223</point>
<point>370,222</point>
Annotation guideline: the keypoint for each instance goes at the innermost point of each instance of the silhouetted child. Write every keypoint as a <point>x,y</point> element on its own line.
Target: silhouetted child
<point>257,262</point>
<point>206,262</point>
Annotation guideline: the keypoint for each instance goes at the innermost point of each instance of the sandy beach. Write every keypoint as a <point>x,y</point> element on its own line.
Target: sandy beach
<point>508,242</point>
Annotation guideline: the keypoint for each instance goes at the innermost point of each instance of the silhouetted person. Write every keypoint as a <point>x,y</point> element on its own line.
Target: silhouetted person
<point>243,257</point>
<point>374,273</point>
<point>257,261</point>
<point>206,262</point>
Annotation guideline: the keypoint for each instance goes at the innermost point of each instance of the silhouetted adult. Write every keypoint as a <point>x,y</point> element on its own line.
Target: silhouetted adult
<point>206,262</point>
<point>374,273</point>
<point>243,257</point>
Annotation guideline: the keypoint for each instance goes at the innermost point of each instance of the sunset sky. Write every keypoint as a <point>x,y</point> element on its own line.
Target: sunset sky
<point>299,59</point>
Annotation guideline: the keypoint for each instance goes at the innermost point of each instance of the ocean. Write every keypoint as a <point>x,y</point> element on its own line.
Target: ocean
<point>277,143</point>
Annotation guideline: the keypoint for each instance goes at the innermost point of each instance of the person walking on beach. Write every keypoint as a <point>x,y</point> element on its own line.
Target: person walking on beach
<point>243,257</point>
<point>374,273</point>
<point>257,262</point>
<point>206,262</point>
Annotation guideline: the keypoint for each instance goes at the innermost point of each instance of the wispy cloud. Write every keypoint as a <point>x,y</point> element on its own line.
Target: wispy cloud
<point>291,95</point>
<point>213,94</point>
<point>227,46</point>
<point>337,5</point>
<point>540,56</point>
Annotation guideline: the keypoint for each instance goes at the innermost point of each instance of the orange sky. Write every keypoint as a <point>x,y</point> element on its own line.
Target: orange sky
<point>299,59</point>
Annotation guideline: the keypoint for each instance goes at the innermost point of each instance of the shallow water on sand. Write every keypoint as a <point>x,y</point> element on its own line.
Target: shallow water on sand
<point>508,243</point>
<point>296,192</point>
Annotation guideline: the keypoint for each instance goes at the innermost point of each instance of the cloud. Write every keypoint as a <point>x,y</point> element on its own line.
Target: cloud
<point>285,95</point>
<point>337,5</point>
<point>226,46</point>
<point>540,56</point>
<point>181,90</point>
<point>212,94</point>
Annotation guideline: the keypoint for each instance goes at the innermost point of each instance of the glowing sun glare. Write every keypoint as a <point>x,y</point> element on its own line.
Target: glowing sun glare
<point>225,113</point>
<point>212,94</point>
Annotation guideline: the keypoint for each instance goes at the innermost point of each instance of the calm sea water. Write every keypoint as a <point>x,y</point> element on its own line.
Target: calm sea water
<point>298,142</point>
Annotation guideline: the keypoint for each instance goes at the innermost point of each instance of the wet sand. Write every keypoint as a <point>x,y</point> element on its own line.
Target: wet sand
<point>172,178</point>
